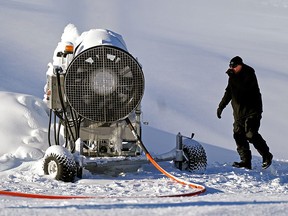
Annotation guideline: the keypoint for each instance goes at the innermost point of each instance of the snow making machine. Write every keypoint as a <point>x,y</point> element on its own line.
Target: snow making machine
<point>94,95</point>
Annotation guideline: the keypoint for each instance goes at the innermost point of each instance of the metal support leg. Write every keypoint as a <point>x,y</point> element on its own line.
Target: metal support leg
<point>179,151</point>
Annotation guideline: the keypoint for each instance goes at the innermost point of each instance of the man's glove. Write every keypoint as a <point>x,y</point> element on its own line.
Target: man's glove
<point>219,112</point>
<point>230,72</point>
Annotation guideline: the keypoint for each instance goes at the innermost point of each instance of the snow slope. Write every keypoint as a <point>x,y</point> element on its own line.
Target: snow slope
<point>184,49</point>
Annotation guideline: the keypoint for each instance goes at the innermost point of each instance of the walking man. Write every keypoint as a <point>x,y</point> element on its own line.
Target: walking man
<point>244,93</point>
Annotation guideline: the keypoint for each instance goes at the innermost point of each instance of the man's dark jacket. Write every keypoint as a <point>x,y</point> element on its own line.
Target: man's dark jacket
<point>244,93</point>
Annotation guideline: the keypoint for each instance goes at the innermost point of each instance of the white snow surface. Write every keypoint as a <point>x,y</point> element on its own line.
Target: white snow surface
<point>184,48</point>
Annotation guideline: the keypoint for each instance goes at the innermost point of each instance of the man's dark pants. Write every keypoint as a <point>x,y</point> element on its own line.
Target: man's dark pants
<point>245,132</point>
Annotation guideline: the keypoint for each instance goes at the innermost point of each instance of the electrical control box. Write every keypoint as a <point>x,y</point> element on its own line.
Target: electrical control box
<point>53,93</point>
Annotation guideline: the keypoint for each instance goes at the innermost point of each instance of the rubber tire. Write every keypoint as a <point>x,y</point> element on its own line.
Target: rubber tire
<point>196,155</point>
<point>64,169</point>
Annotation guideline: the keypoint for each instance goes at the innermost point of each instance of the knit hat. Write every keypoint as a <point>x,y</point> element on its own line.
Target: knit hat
<point>235,61</point>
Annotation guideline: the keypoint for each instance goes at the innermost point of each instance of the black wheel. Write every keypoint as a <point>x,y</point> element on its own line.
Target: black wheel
<point>195,158</point>
<point>60,167</point>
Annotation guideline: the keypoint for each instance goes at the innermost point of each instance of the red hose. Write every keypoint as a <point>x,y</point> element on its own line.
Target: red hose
<point>201,189</point>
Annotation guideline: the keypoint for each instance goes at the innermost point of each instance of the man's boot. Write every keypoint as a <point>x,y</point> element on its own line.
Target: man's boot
<point>242,164</point>
<point>267,160</point>
<point>246,157</point>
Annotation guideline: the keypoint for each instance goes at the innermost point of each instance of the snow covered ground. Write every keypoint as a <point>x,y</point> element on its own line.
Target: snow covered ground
<point>184,48</point>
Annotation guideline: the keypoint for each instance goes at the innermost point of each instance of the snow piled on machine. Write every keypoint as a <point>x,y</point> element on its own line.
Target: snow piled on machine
<point>71,35</point>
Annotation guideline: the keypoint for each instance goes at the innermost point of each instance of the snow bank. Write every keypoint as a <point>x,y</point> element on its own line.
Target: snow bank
<point>24,123</point>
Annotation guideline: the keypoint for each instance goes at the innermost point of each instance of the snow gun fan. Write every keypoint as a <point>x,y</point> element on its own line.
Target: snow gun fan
<point>94,94</point>
<point>104,84</point>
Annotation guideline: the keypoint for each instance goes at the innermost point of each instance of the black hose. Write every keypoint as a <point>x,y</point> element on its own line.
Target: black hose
<point>55,131</point>
<point>49,127</point>
<point>66,122</point>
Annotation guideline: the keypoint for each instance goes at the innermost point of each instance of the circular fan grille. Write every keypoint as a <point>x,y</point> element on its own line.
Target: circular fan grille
<point>104,84</point>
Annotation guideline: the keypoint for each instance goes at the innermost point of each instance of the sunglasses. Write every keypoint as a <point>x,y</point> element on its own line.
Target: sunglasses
<point>233,65</point>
